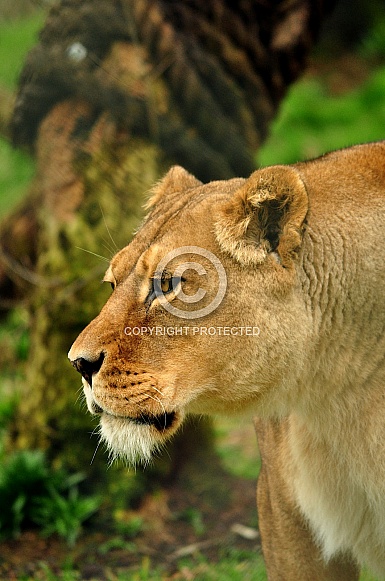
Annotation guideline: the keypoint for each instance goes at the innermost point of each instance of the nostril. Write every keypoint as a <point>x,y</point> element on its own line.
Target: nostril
<point>87,368</point>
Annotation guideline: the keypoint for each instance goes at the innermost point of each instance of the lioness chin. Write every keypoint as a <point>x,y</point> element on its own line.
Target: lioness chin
<point>262,294</point>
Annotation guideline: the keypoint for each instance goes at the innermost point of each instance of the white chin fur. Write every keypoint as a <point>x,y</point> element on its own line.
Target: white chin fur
<point>131,442</point>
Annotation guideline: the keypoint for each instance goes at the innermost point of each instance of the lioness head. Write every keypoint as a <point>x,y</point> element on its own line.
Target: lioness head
<point>206,313</point>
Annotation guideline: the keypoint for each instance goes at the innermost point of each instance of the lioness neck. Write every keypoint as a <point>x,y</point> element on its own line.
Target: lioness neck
<point>341,274</point>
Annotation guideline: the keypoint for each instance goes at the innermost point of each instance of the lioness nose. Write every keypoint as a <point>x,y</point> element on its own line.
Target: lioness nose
<point>88,368</point>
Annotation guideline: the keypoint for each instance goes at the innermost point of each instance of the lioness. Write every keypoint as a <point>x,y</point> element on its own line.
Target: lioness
<point>264,294</point>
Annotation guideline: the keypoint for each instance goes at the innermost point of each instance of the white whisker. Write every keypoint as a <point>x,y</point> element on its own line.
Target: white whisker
<point>158,390</point>
<point>107,246</point>
<point>108,230</point>
<point>80,399</point>
<point>94,254</point>
<point>95,431</point>
<point>162,406</point>
<point>96,449</point>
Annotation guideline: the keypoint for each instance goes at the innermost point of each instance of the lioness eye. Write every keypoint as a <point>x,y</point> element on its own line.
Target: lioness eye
<point>163,285</point>
<point>166,285</point>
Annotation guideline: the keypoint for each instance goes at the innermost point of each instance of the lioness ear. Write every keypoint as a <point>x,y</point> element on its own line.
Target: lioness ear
<point>266,214</point>
<point>177,179</point>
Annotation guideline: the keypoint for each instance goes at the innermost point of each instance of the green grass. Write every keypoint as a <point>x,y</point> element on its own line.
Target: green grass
<point>16,38</point>
<point>235,566</point>
<point>16,172</point>
<point>32,493</point>
<point>236,445</point>
<point>16,167</point>
<point>312,122</point>
<point>365,576</point>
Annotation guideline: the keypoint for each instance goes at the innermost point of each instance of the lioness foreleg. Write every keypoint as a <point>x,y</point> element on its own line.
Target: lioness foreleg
<point>289,550</point>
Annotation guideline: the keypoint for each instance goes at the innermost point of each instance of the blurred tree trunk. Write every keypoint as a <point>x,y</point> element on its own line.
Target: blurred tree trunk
<point>113,94</point>
<point>6,106</point>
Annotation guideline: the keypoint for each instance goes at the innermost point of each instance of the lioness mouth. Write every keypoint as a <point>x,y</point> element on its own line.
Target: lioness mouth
<point>161,422</point>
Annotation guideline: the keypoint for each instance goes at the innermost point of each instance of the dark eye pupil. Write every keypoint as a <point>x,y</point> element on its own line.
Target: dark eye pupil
<point>112,285</point>
<point>166,285</point>
<point>162,285</point>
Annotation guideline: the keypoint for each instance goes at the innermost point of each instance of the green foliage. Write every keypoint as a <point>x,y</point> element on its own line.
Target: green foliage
<point>16,172</point>
<point>312,122</point>
<point>7,409</point>
<point>45,574</point>
<point>373,45</point>
<point>31,493</point>
<point>126,524</point>
<point>365,576</point>
<point>22,480</point>
<point>116,543</point>
<point>16,38</point>
<point>14,344</point>
<point>193,517</point>
<point>14,338</point>
<point>64,515</point>
<point>234,565</point>
<point>16,167</point>
<point>145,573</point>
<point>236,445</point>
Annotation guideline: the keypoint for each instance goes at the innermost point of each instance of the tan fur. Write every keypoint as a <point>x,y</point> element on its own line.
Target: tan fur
<point>303,251</point>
